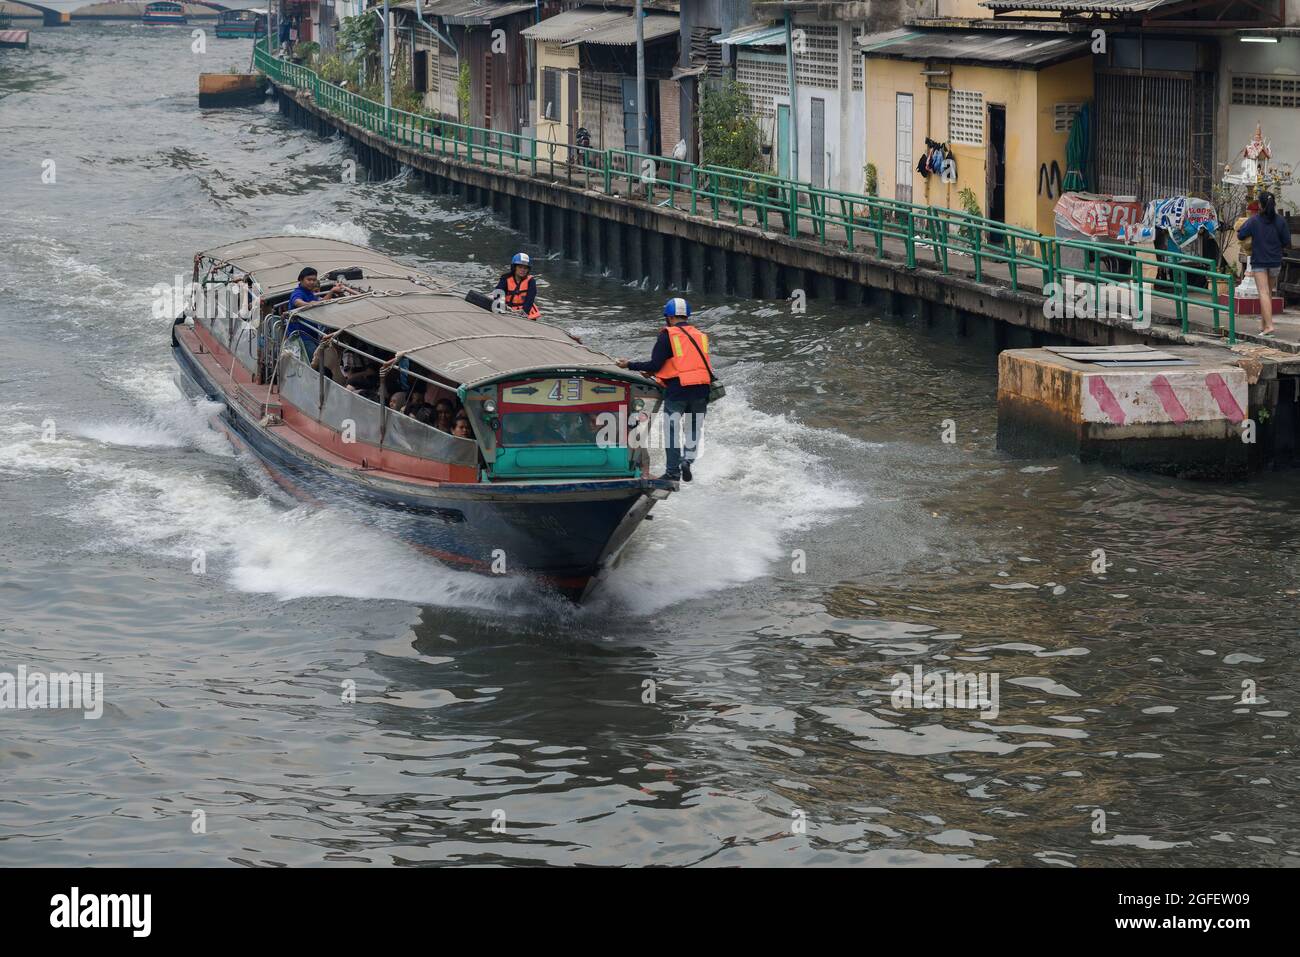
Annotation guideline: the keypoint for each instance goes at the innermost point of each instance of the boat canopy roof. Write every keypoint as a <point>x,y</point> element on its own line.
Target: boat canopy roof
<point>461,342</point>
<point>275,261</point>
<point>414,315</point>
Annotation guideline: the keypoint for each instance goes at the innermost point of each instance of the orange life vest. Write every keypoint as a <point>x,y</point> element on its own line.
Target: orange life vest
<point>686,364</point>
<point>517,291</point>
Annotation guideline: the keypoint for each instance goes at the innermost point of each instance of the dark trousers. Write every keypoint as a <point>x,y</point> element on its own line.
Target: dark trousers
<point>685,427</point>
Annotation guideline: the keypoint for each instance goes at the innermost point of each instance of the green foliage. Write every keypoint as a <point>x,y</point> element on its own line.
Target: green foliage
<point>870,180</point>
<point>306,51</point>
<point>729,135</point>
<point>359,36</point>
<point>971,205</point>
<point>462,93</point>
<point>335,69</point>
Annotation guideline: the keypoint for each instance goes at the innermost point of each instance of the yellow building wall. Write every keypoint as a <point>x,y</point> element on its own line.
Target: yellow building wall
<point>961,10</point>
<point>1069,82</point>
<point>554,56</point>
<point>1029,98</point>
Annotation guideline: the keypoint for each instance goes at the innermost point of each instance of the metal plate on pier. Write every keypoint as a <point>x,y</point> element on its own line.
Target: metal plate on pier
<point>1129,355</point>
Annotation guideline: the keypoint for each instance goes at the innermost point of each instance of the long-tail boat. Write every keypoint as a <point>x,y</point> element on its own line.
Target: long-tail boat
<point>548,482</point>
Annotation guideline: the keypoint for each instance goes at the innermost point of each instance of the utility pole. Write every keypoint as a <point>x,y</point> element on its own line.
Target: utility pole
<point>792,81</point>
<point>388,72</point>
<point>641,144</point>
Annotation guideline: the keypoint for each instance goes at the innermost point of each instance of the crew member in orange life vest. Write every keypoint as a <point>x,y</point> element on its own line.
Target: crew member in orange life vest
<point>520,288</point>
<point>680,361</point>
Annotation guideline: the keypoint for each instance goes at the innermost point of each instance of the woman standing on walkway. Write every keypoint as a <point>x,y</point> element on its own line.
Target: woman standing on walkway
<point>1269,235</point>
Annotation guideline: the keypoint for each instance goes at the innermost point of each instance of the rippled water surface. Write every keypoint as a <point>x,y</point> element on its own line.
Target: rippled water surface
<point>830,540</point>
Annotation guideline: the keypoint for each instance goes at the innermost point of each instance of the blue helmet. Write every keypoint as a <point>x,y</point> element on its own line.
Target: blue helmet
<point>521,259</point>
<point>677,307</point>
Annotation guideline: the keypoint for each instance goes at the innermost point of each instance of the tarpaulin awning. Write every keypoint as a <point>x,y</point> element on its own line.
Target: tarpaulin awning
<point>1094,216</point>
<point>622,32</point>
<point>571,24</point>
<point>754,35</point>
<point>1183,217</point>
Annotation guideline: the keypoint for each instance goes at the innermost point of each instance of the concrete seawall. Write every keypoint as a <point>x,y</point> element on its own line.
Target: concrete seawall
<point>670,248</point>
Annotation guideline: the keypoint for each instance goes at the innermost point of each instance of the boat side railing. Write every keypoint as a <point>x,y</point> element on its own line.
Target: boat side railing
<point>949,240</point>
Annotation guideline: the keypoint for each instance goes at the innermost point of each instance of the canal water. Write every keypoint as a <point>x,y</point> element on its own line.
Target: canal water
<point>726,700</point>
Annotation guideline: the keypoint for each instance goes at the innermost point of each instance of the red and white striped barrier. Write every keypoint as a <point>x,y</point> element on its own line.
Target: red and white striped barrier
<point>1134,397</point>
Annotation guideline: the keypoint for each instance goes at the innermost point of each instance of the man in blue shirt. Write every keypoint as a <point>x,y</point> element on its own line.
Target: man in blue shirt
<point>308,289</point>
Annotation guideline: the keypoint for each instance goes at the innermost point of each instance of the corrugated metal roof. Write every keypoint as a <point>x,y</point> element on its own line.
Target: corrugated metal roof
<point>753,35</point>
<point>571,24</point>
<point>467,12</point>
<point>1079,6</point>
<point>623,31</point>
<point>1023,48</point>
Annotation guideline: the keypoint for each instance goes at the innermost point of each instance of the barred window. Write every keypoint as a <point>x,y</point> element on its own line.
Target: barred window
<point>1279,91</point>
<point>966,117</point>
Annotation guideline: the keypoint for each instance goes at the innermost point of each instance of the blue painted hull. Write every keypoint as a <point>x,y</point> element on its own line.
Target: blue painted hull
<point>562,534</point>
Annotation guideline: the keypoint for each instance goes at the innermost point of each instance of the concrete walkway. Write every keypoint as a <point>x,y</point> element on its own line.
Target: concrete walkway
<point>561,164</point>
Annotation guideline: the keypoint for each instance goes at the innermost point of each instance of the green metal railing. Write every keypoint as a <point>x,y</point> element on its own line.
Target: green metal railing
<point>953,240</point>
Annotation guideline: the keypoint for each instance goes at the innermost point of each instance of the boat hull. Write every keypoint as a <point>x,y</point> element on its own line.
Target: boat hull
<point>563,534</point>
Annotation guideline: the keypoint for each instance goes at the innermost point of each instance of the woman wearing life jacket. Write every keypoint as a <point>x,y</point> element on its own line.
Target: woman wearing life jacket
<point>519,288</point>
<point>1269,235</point>
<point>680,360</point>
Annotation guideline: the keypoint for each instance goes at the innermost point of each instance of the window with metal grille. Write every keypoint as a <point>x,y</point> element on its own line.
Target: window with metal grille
<point>817,65</point>
<point>966,117</point>
<point>1063,115</point>
<point>1280,91</point>
<point>762,76</point>
<point>551,93</point>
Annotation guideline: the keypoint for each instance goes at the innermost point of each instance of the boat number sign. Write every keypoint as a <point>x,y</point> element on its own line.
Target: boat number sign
<point>560,392</point>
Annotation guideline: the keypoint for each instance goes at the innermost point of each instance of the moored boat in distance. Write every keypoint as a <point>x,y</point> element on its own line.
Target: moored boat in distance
<point>241,24</point>
<point>163,12</point>
<point>543,483</point>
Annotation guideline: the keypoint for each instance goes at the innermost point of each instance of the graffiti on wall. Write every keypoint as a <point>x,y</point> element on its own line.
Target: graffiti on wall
<point>1049,180</point>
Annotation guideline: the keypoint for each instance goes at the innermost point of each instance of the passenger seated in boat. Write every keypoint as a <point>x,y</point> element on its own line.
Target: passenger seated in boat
<point>460,428</point>
<point>360,375</point>
<point>424,414</point>
<point>444,415</point>
<point>326,359</point>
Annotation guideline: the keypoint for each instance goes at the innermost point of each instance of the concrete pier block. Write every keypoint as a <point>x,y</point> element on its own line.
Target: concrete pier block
<point>765,278</point>
<point>695,267</point>
<point>635,254</point>
<point>1175,419</point>
<point>823,287</point>
<point>573,235</point>
<point>674,265</point>
<point>743,273</point>
<point>655,261</point>
<point>614,258</point>
<point>530,219</point>
<point>716,278</point>
<point>591,226</point>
